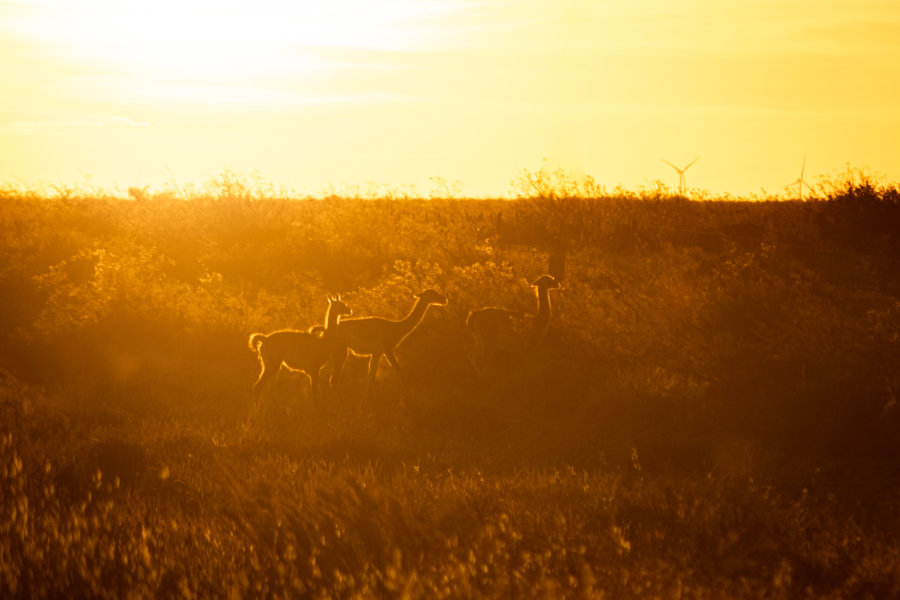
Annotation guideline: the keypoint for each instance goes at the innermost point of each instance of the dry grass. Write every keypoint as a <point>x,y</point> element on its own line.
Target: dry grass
<point>713,413</point>
<point>179,512</point>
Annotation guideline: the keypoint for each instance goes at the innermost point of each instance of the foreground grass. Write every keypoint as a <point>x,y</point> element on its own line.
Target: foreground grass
<point>109,504</point>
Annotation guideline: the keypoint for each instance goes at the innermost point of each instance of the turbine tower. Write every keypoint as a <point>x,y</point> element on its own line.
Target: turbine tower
<point>799,182</point>
<point>680,173</point>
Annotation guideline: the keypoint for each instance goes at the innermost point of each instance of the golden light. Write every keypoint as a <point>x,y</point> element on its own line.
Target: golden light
<point>398,91</point>
<point>214,51</point>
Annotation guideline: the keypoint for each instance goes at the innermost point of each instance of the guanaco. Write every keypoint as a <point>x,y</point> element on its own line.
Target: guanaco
<point>377,337</point>
<point>489,324</point>
<point>306,351</point>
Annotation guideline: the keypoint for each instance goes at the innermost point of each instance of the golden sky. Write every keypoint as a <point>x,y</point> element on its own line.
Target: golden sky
<point>312,95</point>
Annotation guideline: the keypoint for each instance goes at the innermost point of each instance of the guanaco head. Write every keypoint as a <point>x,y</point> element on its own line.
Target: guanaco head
<point>545,282</point>
<point>432,297</point>
<point>337,308</point>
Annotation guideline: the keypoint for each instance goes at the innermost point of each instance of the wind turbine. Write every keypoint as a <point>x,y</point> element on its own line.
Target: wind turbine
<point>799,182</point>
<point>680,173</point>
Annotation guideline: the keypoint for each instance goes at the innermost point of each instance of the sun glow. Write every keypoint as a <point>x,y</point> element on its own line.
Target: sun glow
<point>205,50</point>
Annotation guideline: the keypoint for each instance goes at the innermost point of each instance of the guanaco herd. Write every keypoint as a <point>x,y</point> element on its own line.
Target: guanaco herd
<point>310,350</point>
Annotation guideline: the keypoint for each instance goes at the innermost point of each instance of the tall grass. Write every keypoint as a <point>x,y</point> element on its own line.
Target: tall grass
<point>713,413</point>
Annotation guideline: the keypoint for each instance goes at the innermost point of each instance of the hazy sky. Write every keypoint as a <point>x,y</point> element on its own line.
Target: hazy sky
<point>340,93</point>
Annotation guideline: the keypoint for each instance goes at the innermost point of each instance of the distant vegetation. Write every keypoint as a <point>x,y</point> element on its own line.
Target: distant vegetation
<point>713,412</point>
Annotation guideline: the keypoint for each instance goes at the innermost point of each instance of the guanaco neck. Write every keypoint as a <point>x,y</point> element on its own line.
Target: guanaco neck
<point>416,315</point>
<point>331,317</point>
<point>412,320</point>
<point>542,318</point>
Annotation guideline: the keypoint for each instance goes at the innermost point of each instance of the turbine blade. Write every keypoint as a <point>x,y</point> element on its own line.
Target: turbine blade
<point>670,164</point>
<point>690,163</point>
<point>803,168</point>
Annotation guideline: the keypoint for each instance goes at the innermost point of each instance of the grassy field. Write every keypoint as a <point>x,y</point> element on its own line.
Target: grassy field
<point>712,414</point>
